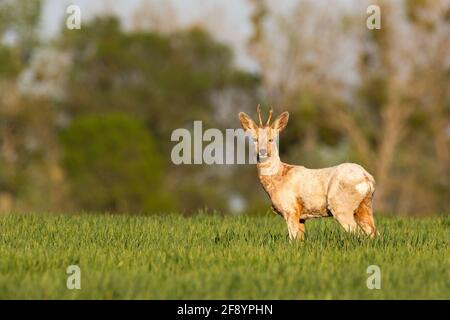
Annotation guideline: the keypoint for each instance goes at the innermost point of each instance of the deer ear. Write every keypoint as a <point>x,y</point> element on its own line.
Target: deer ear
<point>281,122</point>
<point>247,123</point>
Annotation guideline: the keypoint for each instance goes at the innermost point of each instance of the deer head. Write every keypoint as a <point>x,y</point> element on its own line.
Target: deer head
<point>264,136</point>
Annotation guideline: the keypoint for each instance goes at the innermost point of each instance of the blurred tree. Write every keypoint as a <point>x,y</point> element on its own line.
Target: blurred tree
<point>403,92</point>
<point>168,81</point>
<point>165,80</point>
<point>113,165</point>
<point>30,176</point>
<point>19,20</point>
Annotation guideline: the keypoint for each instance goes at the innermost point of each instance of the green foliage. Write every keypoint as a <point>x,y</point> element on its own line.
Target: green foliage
<point>21,18</point>
<point>113,164</point>
<point>166,80</point>
<point>9,62</point>
<point>211,257</point>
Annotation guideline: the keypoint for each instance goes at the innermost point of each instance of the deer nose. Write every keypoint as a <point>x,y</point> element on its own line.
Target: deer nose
<point>263,152</point>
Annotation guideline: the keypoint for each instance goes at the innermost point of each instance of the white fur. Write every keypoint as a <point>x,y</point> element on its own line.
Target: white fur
<point>362,188</point>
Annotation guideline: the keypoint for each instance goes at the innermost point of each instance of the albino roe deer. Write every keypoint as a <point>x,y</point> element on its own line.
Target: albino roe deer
<point>298,193</point>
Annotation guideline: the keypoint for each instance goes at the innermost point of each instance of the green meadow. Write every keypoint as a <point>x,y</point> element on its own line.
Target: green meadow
<point>219,257</point>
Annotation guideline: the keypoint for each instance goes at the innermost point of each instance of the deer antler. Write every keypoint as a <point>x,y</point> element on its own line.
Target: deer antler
<point>270,116</point>
<point>258,108</point>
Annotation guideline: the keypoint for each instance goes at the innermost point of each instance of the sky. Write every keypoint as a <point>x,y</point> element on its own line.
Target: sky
<point>227,20</point>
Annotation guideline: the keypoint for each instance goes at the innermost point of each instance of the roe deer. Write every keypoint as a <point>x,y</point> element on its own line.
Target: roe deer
<point>298,193</point>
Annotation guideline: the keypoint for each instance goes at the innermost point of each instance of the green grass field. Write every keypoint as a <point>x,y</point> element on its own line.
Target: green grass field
<point>213,257</point>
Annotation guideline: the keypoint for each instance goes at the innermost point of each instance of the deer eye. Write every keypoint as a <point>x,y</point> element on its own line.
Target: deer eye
<point>270,140</point>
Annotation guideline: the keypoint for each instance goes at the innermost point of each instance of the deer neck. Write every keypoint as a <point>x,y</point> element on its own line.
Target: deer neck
<point>272,174</point>
<point>269,173</point>
<point>270,167</point>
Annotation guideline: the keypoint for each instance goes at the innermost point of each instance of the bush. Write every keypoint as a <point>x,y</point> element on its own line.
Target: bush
<point>113,165</point>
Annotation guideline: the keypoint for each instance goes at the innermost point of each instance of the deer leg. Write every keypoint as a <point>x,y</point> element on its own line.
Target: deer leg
<point>343,208</point>
<point>301,230</point>
<point>347,221</point>
<point>364,217</point>
<point>296,227</point>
